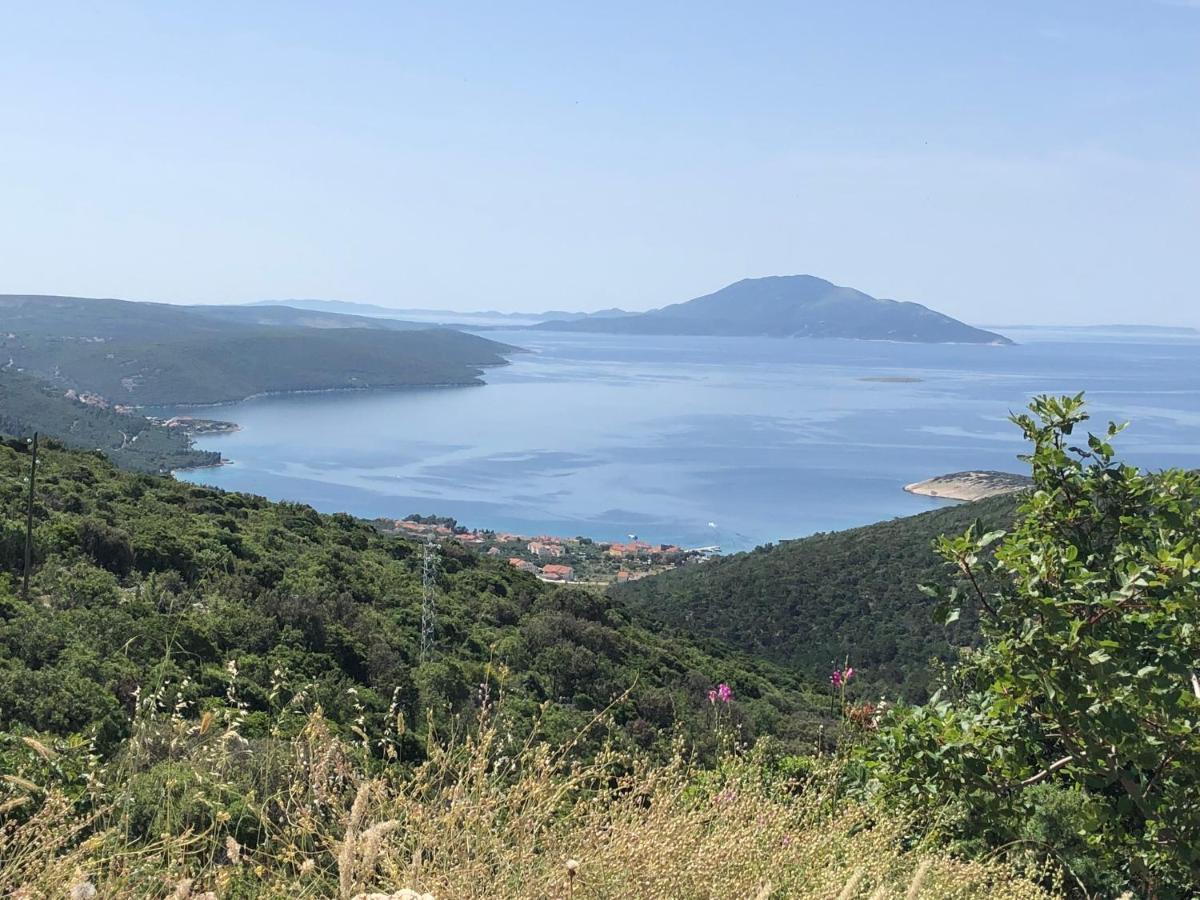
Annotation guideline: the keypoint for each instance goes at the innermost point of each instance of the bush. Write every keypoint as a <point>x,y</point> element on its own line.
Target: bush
<point>1087,681</point>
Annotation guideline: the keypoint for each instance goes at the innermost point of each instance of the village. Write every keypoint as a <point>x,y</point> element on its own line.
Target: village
<point>577,560</point>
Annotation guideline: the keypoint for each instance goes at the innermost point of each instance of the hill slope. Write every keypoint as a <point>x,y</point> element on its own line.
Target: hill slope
<point>153,353</point>
<point>814,602</point>
<point>791,306</point>
<point>143,582</point>
<point>282,314</point>
<point>131,441</point>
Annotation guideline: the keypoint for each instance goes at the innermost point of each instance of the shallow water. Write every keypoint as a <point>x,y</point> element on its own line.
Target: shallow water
<point>698,441</point>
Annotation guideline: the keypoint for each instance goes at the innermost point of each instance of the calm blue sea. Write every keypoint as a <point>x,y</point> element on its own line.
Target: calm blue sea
<point>696,441</point>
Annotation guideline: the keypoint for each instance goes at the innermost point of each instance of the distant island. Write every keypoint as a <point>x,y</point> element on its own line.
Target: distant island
<point>425,317</point>
<point>970,485</point>
<point>789,306</point>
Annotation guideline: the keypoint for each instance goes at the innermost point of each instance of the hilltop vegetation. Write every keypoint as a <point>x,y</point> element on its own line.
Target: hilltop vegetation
<point>811,604</point>
<point>131,441</point>
<point>144,584</point>
<point>147,354</point>
<point>790,306</point>
<point>1076,724</point>
<point>206,691</point>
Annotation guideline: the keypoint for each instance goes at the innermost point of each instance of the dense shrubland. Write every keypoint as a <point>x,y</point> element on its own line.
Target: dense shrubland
<point>1074,729</point>
<point>209,692</point>
<point>147,584</point>
<point>809,603</point>
<point>133,442</point>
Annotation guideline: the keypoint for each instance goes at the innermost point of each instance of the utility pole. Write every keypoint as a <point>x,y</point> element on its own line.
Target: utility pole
<point>29,519</point>
<point>429,561</point>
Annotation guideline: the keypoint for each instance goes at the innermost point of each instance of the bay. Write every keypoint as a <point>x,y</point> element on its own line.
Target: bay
<point>700,441</point>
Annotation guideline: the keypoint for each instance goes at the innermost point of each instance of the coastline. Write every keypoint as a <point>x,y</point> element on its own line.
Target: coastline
<point>967,486</point>
<point>210,404</point>
<point>235,427</point>
<point>223,461</point>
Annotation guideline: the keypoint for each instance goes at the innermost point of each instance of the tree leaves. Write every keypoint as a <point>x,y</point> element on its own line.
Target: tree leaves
<point>1090,651</point>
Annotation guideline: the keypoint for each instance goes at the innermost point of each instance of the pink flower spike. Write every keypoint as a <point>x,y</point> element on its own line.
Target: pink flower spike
<point>849,673</point>
<point>836,678</point>
<point>724,692</point>
<point>712,696</point>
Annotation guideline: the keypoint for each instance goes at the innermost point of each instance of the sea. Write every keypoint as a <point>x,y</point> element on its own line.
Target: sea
<point>694,441</point>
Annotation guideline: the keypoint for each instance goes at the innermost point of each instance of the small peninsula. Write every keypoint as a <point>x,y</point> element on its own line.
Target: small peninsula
<point>970,485</point>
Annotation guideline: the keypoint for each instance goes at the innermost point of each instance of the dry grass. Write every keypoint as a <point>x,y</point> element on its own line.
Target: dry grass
<point>482,818</point>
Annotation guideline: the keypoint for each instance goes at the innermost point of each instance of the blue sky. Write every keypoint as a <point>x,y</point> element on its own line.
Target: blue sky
<point>1003,162</point>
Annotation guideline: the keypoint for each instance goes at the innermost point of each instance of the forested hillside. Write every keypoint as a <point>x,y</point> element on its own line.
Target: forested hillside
<point>153,353</point>
<point>28,405</point>
<point>816,602</point>
<point>144,585</point>
<point>206,691</point>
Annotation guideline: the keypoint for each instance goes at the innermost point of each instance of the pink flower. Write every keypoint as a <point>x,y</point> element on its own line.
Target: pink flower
<point>848,674</point>
<point>712,696</point>
<point>836,678</point>
<point>724,692</point>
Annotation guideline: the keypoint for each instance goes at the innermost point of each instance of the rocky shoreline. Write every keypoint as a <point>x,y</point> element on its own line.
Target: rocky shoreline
<point>970,485</point>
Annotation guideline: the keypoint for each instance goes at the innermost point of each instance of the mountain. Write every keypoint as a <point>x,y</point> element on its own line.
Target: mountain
<point>791,306</point>
<point>155,353</point>
<point>810,604</point>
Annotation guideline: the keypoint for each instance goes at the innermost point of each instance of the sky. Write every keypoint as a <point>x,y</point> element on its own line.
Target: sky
<point>1031,161</point>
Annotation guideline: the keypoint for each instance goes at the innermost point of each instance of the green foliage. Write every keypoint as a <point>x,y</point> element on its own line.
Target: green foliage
<point>147,587</point>
<point>150,353</point>
<point>132,441</point>
<point>812,603</point>
<point>1086,686</point>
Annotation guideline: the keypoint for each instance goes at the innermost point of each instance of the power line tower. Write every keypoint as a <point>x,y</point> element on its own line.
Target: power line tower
<point>429,566</point>
<point>29,520</point>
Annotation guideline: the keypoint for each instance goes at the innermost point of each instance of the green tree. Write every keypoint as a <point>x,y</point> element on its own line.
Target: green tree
<point>1087,678</point>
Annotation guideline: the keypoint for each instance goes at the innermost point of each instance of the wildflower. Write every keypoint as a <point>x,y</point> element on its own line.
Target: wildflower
<point>84,890</point>
<point>848,674</point>
<point>724,796</point>
<point>836,678</point>
<point>572,867</point>
<point>712,696</point>
<point>233,850</point>
<point>724,692</point>
<point>307,866</point>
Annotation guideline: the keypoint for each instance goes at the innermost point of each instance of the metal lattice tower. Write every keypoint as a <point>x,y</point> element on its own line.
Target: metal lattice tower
<point>429,565</point>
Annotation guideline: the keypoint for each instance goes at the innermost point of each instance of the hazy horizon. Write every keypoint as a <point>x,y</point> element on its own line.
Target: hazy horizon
<point>1019,163</point>
<point>284,301</point>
